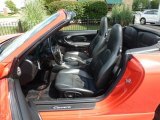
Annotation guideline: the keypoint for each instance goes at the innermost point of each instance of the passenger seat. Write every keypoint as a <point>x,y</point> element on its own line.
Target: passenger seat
<point>95,45</point>
<point>72,83</point>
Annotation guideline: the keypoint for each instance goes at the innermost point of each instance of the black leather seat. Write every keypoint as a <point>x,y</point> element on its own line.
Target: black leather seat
<point>94,47</point>
<point>79,83</point>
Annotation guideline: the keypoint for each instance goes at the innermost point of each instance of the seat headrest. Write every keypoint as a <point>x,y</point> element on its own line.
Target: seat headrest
<point>115,38</point>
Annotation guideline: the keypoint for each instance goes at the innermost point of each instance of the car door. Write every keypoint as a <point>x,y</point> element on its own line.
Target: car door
<point>21,109</point>
<point>155,15</point>
<point>149,16</point>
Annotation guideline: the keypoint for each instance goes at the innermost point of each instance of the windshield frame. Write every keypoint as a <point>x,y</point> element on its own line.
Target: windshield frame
<point>26,36</point>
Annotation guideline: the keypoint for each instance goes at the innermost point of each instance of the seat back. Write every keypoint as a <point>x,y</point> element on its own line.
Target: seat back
<point>103,64</point>
<point>99,39</point>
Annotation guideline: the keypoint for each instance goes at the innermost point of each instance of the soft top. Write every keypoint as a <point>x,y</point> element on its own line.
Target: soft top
<point>148,28</point>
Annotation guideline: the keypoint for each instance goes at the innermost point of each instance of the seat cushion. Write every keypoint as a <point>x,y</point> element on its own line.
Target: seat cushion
<point>73,56</point>
<point>75,81</point>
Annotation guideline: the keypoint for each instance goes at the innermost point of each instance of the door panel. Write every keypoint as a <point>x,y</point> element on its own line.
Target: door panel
<point>75,39</point>
<point>20,108</point>
<point>155,16</point>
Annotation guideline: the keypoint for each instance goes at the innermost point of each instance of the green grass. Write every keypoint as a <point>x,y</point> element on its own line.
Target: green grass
<point>14,29</point>
<point>8,30</point>
<point>81,27</point>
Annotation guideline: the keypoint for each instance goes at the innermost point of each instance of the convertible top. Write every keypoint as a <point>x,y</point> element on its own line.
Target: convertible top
<point>148,28</point>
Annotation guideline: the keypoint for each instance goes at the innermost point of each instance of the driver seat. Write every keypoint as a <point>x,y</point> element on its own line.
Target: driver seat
<point>95,45</point>
<point>72,83</point>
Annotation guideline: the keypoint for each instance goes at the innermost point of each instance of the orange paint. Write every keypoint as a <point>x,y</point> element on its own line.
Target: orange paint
<point>5,65</point>
<point>5,112</point>
<point>136,96</point>
<point>130,82</point>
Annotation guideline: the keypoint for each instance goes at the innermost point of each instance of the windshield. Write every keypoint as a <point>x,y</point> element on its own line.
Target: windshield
<point>9,48</point>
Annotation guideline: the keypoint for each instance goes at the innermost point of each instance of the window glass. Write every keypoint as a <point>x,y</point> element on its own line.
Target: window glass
<point>149,12</point>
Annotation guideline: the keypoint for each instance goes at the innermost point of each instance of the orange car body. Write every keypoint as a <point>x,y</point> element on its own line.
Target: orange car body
<point>136,96</point>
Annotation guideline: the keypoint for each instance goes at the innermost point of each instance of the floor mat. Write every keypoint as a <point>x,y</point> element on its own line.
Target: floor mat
<point>34,92</point>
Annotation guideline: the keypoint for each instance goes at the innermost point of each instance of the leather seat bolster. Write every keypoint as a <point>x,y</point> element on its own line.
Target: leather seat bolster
<point>73,55</point>
<point>76,71</point>
<point>75,80</point>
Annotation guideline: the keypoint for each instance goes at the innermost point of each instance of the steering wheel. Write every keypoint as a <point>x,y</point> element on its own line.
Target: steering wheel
<point>56,52</point>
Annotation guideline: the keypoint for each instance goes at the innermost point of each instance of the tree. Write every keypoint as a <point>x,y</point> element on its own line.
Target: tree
<point>11,6</point>
<point>47,2</point>
<point>33,13</point>
<point>155,4</point>
<point>121,14</point>
<point>140,4</point>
